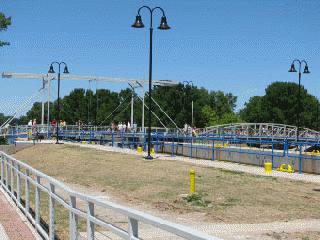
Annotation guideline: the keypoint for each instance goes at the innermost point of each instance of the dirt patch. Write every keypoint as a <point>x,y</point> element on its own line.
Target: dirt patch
<point>234,197</point>
<point>294,236</point>
<point>12,149</point>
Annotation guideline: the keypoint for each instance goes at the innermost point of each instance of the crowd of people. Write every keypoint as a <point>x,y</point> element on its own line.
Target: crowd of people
<point>123,127</point>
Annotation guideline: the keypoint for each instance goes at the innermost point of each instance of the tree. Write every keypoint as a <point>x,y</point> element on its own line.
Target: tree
<point>176,101</point>
<point>280,105</point>
<point>4,23</point>
<point>212,118</point>
<point>104,106</point>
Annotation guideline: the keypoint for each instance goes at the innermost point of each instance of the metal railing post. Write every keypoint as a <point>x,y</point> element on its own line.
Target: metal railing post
<point>7,172</point>
<point>132,228</point>
<point>90,225</point>
<point>2,168</point>
<point>212,158</point>
<point>12,177</point>
<point>191,147</point>
<point>172,147</point>
<point>73,219</point>
<point>51,212</point>
<point>37,201</point>
<point>27,188</point>
<point>272,155</point>
<point>18,184</point>
<point>300,159</point>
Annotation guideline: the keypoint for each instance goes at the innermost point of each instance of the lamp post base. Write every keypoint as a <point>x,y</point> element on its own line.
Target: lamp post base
<point>148,157</point>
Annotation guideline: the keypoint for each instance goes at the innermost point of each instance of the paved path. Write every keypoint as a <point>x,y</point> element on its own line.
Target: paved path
<point>13,226</point>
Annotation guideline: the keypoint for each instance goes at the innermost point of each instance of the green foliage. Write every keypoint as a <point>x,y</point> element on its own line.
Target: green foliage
<point>280,105</point>
<point>4,23</point>
<point>177,102</point>
<point>100,107</point>
<point>3,141</point>
<point>212,118</point>
<point>197,199</point>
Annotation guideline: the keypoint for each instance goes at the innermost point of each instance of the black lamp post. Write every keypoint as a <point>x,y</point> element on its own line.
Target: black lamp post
<point>163,26</point>
<point>306,71</point>
<point>51,70</point>
<point>190,84</point>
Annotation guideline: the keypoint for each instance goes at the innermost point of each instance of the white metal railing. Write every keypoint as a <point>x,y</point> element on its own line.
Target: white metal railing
<point>16,174</point>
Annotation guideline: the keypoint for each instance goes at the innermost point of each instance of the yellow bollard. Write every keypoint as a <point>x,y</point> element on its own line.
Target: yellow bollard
<point>139,149</point>
<point>268,167</point>
<point>152,151</point>
<point>29,134</point>
<point>192,174</point>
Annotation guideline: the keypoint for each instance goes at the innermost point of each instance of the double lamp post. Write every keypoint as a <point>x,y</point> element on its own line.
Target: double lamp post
<point>65,71</point>
<point>305,71</point>
<point>163,26</point>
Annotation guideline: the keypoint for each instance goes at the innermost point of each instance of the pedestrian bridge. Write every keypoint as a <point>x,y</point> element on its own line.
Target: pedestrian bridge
<point>269,131</point>
<point>261,130</point>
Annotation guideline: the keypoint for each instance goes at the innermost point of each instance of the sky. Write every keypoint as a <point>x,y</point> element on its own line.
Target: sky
<point>234,46</point>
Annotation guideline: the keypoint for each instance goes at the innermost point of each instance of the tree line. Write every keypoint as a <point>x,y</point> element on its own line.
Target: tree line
<point>101,107</point>
<point>279,104</point>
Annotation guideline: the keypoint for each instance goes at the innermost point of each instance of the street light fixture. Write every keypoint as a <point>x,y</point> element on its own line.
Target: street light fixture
<point>305,71</point>
<point>65,71</point>
<point>163,26</point>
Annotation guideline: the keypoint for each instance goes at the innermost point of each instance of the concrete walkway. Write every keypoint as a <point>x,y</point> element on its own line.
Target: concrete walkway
<point>13,225</point>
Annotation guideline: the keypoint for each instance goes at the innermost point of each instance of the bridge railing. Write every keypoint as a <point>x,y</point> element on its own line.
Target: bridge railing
<point>30,187</point>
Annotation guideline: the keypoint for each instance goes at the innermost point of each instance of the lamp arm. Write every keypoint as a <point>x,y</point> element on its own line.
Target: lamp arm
<point>163,14</point>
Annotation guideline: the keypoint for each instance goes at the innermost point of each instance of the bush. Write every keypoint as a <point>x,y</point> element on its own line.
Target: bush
<point>3,141</point>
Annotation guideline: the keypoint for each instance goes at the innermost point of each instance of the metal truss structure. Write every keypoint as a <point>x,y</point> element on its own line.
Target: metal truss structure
<point>260,130</point>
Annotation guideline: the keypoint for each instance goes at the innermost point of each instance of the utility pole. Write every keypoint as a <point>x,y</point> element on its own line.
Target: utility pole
<point>192,113</point>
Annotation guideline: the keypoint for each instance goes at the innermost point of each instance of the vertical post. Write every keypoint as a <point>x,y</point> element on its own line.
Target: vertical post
<point>132,95</point>
<point>7,172</point>
<point>2,168</point>
<point>18,185</point>
<point>73,219</point>
<point>212,157</point>
<point>58,112</point>
<point>48,114</point>
<point>192,181</point>
<point>37,201</point>
<point>300,160</point>
<point>191,147</point>
<point>150,98</point>
<point>27,187</point>
<point>192,113</point>
<point>12,178</point>
<point>90,225</point>
<point>142,118</point>
<point>133,228</point>
<point>299,105</point>
<point>272,156</point>
<point>42,102</point>
<point>157,141</point>
<point>122,141</point>
<point>172,147</point>
<point>51,212</point>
